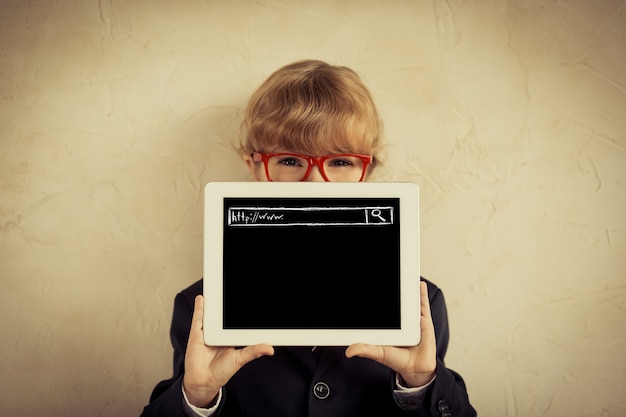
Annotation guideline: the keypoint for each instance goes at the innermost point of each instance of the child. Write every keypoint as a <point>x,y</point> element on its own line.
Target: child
<point>310,121</point>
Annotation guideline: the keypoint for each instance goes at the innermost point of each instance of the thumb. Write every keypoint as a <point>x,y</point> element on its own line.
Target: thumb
<point>250,353</point>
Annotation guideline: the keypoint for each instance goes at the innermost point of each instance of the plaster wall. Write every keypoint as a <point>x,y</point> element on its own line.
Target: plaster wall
<point>510,115</point>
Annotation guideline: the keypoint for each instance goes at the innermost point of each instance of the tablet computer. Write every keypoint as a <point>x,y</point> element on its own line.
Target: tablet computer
<point>311,263</point>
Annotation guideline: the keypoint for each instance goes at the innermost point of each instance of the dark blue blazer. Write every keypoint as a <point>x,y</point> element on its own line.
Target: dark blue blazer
<point>284,384</point>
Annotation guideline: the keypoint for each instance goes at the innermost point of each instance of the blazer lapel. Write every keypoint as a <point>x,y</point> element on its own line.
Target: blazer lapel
<point>320,361</point>
<point>328,355</point>
<point>304,354</point>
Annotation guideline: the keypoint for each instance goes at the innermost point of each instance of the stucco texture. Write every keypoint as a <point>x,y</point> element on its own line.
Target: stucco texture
<point>510,115</point>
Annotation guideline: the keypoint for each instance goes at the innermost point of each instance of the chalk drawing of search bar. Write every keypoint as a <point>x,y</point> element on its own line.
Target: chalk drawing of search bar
<point>310,216</point>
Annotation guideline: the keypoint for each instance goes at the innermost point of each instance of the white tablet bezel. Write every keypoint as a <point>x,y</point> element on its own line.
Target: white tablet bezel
<point>409,332</point>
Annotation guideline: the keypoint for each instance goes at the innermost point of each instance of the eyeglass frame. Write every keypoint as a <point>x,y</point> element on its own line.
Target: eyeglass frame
<point>317,161</point>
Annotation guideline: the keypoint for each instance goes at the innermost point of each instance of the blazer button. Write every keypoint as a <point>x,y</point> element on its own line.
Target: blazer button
<point>444,408</point>
<point>321,391</point>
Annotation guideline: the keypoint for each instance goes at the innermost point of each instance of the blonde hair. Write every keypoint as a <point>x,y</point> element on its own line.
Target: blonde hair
<point>314,108</point>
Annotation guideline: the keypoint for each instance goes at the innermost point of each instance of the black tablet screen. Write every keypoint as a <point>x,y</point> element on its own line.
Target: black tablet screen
<point>318,263</point>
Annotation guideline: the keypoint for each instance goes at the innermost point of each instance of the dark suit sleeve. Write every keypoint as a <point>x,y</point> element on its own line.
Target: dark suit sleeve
<point>448,394</point>
<point>167,398</point>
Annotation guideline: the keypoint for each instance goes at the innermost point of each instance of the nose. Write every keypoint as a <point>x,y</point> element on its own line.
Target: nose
<point>315,175</point>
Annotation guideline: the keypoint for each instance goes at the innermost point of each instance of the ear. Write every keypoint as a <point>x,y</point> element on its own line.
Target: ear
<point>253,167</point>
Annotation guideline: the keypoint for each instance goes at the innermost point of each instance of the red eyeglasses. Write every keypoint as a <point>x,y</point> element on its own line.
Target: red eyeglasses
<point>285,166</point>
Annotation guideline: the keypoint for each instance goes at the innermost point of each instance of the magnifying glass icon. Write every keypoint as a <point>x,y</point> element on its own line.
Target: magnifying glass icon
<point>378,214</point>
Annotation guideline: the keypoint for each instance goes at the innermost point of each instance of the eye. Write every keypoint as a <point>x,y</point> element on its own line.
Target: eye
<point>341,162</point>
<point>289,161</point>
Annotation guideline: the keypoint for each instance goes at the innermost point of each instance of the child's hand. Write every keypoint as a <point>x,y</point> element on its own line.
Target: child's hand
<point>417,364</point>
<point>209,368</point>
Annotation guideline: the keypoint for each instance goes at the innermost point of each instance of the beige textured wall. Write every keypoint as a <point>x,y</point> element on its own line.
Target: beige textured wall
<point>511,115</point>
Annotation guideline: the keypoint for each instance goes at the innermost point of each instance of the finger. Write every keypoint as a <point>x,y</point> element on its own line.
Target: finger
<point>364,350</point>
<point>392,357</point>
<point>426,322</point>
<point>250,353</point>
<point>195,333</point>
<point>424,302</point>
<point>262,349</point>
